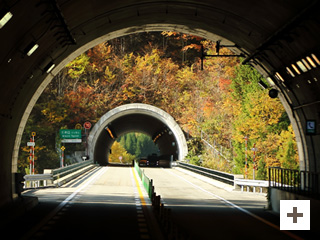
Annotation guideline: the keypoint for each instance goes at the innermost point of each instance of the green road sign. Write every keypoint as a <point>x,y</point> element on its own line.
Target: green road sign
<point>70,133</point>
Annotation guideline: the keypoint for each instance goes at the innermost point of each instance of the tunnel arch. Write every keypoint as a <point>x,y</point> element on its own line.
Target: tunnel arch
<point>272,35</point>
<point>137,117</point>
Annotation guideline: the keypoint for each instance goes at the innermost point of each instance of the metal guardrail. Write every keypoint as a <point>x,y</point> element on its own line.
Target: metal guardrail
<point>251,183</point>
<point>226,177</point>
<point>51,176</point>
<point>299,182</point>
<point>37,180</point>
<point>61,172</point>
<point>214,174</point>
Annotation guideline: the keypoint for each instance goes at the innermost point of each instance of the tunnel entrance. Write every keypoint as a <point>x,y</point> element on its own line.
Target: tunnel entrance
<point>274,46</point>
<point>137,117</point>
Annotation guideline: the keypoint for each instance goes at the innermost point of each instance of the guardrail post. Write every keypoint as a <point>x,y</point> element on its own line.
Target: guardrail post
<point>151,188</point>
<point>269,173</point>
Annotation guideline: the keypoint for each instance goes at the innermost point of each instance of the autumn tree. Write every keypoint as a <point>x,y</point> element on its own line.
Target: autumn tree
<point>222,101</point>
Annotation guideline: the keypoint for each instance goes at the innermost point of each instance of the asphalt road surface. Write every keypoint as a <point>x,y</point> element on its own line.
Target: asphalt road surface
<point>107,203</point>
<point>110,203</point>
<point>204,211</point>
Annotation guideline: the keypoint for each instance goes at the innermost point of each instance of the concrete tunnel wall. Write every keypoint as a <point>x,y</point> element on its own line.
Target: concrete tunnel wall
<point>137,117</point>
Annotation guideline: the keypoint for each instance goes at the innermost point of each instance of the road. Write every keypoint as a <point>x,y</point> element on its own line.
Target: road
<point>108,203</point>
<point>204,211</point>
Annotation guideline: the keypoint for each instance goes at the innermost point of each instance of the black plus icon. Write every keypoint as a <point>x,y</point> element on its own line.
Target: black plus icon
<point>295,215</point>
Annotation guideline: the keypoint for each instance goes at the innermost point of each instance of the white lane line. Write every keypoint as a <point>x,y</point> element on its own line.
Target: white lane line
<point>61,205</point>
<point>237,207</point>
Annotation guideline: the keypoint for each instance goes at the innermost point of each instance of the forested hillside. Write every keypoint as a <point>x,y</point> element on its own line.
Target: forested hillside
<point>217,106</point>
<point>132,146</point>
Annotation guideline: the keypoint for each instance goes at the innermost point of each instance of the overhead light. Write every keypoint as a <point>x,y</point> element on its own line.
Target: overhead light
<point>31,48</point>
<point>316,59</point>
<point>296,69</point>
<point>110,132</point>
<point>270,81</point>
<point>312,63</point>
<point>290,72</point>
<point>4,18</point>
<point>49,67</point>
<point>279,76</point>
<point>302,67</point>
<point>306,64</point>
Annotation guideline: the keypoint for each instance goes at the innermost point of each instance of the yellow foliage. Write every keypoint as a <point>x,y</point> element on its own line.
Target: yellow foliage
<point>117,151</point>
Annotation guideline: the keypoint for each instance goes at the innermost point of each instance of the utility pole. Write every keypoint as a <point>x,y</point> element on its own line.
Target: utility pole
<point>62,156</point>
<point>31,144</point>
<point>246,156</point>
<point>254,160</point>
<point>30,156</point>
<point>33,134</point>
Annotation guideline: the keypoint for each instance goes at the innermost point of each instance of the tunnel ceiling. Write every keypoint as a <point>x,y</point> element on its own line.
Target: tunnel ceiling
<point>272,35</point>
<point>136,123</point>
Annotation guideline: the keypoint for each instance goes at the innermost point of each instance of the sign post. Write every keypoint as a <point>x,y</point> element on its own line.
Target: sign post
<point>254,149</point>
<point>33,134</point>
<point>62,156</point>
<point>87,126</point>
<point>246,156</point>
<point>30,155</point>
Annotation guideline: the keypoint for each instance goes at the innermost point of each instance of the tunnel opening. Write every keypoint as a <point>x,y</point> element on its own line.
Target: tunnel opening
<point>132,146</point>
<point>142,118</point>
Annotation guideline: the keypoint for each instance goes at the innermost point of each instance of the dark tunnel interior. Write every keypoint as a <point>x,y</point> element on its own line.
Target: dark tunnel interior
<point>156,129</point>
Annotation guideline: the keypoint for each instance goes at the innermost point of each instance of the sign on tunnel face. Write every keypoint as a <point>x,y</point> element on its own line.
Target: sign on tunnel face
<point>70,133</point>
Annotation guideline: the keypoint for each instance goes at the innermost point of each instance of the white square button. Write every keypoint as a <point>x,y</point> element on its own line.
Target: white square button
<point>294,214</point>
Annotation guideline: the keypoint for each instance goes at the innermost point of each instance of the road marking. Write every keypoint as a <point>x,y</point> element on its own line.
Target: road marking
<point>139,189</point>
<point>140,202</point>
<point>237,207</point>
<point>45,220</point>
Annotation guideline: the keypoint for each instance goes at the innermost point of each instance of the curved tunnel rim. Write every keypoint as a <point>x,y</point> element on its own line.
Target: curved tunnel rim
<point>138,108</point>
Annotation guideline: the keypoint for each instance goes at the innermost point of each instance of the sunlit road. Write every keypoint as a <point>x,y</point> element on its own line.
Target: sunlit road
<point>109,202</point>
<point>106,204</point>
<point>204,211</point>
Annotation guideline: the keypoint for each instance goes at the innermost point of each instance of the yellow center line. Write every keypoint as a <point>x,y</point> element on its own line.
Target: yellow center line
<point>143,202</point>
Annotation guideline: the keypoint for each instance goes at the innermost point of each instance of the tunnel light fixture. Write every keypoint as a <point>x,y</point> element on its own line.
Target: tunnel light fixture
<point>312,63</point>
<point>302,66</point>
<point>279,76</point>
<point>157,137</point>
<point>270,81</point>
<point>306,64</point>
<point>31,48</point>
<point>110,133</point>
<point>290,72</point>
<point>4,18</point>
<point>49,67</point>
<point>296,69</point>
<point>315,58</point>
